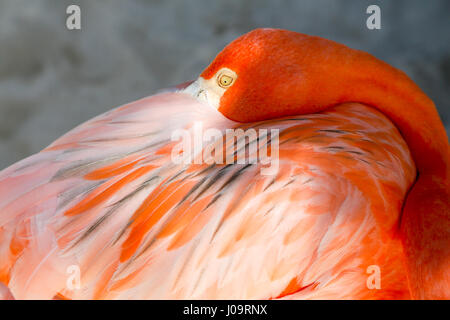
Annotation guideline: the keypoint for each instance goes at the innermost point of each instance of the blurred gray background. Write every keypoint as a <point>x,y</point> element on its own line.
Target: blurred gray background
<point>52,79</point>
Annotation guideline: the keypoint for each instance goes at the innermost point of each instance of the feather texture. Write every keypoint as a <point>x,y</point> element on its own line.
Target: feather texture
<point>107,198</point>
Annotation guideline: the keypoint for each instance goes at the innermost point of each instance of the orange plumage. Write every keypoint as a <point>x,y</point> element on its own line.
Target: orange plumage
<point>284,73</point>
<point>108,198</point>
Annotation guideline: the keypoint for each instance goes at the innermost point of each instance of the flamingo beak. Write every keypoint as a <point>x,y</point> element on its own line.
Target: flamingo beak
<point>194,89</point>
<point>203,91</point>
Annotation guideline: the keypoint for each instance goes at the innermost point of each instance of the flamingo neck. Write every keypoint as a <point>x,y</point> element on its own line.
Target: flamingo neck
<point>349,75</point>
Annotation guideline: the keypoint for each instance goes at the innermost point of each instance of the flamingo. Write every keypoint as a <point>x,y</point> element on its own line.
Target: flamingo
<point>362,183</point>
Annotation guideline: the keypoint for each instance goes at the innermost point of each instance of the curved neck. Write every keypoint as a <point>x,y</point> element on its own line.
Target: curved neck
<point>414,114</point>
<point>347,75</point>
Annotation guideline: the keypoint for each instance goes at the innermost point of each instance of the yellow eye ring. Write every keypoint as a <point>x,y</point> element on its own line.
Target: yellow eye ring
<point>225,81</point>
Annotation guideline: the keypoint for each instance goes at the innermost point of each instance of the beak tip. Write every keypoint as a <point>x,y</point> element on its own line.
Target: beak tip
<point>192,88</point>
<point>184,85</point>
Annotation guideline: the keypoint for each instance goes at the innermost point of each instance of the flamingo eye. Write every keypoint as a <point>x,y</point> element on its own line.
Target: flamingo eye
<point>225,80</point>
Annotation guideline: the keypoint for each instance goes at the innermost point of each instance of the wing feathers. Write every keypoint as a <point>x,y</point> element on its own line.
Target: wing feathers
<point>107,198</point>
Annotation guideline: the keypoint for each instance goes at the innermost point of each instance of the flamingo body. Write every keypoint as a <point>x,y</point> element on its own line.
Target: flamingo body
<point>269,73</point>
<point>107,198</point>
<point>362,184</point>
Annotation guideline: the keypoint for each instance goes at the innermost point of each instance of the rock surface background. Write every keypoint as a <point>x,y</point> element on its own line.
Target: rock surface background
<point>52,79</point>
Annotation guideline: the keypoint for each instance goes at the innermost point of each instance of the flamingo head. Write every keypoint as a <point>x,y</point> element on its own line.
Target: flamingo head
<point>258,76</point>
